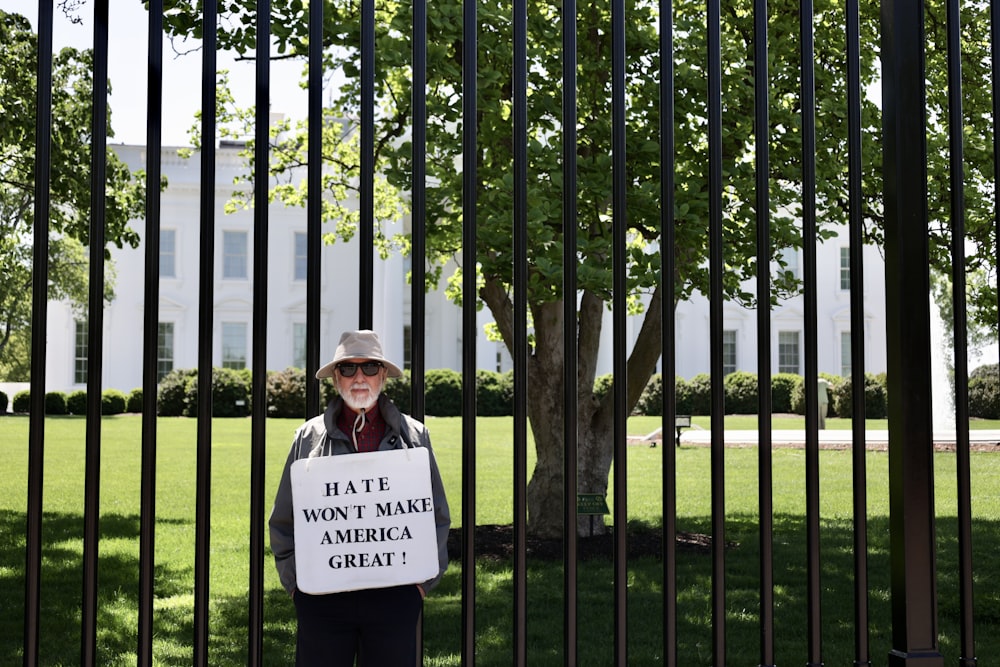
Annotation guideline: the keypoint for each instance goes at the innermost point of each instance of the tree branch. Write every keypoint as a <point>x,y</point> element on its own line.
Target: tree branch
<point>497,300</point>
<point>588,339</point>
<point>642,362</point>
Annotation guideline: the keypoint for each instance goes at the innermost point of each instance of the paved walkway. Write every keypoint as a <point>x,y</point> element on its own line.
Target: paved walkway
<point>831,439</point>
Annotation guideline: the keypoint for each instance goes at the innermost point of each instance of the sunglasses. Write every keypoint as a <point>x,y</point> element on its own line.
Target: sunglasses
<point>369,368</point>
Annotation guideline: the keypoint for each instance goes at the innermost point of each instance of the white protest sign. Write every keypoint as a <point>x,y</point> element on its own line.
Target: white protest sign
<point>363,520</point>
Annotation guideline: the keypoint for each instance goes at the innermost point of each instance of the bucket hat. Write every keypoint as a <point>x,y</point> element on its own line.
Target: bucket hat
<point>360,344</point>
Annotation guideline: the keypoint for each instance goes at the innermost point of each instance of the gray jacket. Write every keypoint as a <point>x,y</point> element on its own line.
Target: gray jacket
<point>320,437</point>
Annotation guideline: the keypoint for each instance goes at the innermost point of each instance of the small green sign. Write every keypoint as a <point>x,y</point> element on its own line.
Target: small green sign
<point>591,503</point>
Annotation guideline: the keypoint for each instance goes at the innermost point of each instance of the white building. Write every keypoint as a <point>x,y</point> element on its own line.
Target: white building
<point>66,365</point>
<point>788,321</point>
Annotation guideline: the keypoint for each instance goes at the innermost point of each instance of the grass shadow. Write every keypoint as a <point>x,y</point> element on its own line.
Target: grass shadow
<point>118,568</point>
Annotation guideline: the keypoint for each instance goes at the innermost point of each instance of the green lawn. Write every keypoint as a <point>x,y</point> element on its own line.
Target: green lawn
<point>175,502</point>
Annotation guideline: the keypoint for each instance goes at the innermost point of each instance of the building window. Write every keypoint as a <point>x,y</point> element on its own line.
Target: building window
<point>845,353</point>
<point>168,253</point>
<point>234,255</point>
<point>80,353</point>
<point>299,344</point>
<point>234,345</point>
<point>164,349</point>
<point>728,352</point>
<point>407,346</point>
<point>301,259</point>
<point>788,352</point>
<point>845,269</point>
<point>791,258</point>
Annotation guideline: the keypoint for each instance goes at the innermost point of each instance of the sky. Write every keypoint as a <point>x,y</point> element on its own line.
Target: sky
<point>128,50</point>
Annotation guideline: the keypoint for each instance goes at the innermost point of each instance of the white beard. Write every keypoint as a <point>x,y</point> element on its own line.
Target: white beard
<point>359,401</point>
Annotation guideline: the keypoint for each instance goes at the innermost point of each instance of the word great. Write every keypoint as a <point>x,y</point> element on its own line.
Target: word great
<point>347,561</point>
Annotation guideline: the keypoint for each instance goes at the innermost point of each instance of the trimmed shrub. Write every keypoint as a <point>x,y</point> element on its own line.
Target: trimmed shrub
<point>876,406</point>
<point>171,398</point>
<point>4,402</point>
<point>834,388</point>
<point>55,403</point>
<point>22,401</point>
<point>113,402</point>
<point>603,385</point>
<point>246,376</point>
<point>286,393</point>
<point>494,393</point>
<point>134,402</point>
<point>398,391</point>
<point>741,393</point>
<point>444,393</point>
<point>229,394</point>
<point>984,392</point>
<point>700,394</point>
<point>76,402</point>
<point>833,404</point>
<point>178,393</point>
<point>682,396</point>
<point>651,399</point>
<point>783,385</point>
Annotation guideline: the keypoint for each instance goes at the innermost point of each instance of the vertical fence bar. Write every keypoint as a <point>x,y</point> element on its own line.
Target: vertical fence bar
<point>960,332</point>
<point>570,346</point>
<point>39,324</point>
<point>95,335</point>
<point>995,71</point>
<point>862,651</point>
<point>809,238</point>
<point>258,426</point>
<point>716,267</point>
<point>519,77</point>
<point>619,294</point>
<point>418,277</point>
<point>469,199</point>
<point>911,446</point>
<point>150,344</point>
<point>206,312</point>
<point>418,229</point>
<point>366,234</point>
<point>764,399</point>
<point>668,351</point>
<point>314,208</point>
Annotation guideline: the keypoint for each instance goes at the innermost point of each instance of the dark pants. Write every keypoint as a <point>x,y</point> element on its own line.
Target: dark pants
<point>378,626</point>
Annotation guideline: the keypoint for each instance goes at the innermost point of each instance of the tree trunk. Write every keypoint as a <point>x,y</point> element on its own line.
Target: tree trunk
<point>546,406</point>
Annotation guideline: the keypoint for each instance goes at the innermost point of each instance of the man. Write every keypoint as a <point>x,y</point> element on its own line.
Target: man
<point>379,625</point>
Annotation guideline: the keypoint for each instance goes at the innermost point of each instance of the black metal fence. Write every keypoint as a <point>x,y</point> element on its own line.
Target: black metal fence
<point>914,598</point>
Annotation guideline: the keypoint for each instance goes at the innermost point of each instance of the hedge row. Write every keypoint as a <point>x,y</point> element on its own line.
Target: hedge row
<point>113,402</point>
<point>740,395</point>
<point>286,394</point>
<point>788,394</point>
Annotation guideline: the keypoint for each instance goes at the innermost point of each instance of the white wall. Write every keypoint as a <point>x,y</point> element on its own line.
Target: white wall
<point>833,318</point>
<point>233,299</point>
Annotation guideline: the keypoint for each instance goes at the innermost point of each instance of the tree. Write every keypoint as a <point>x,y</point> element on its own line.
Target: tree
<point>495,155</point>
<point>69,213</point>
<point>978,176</point>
